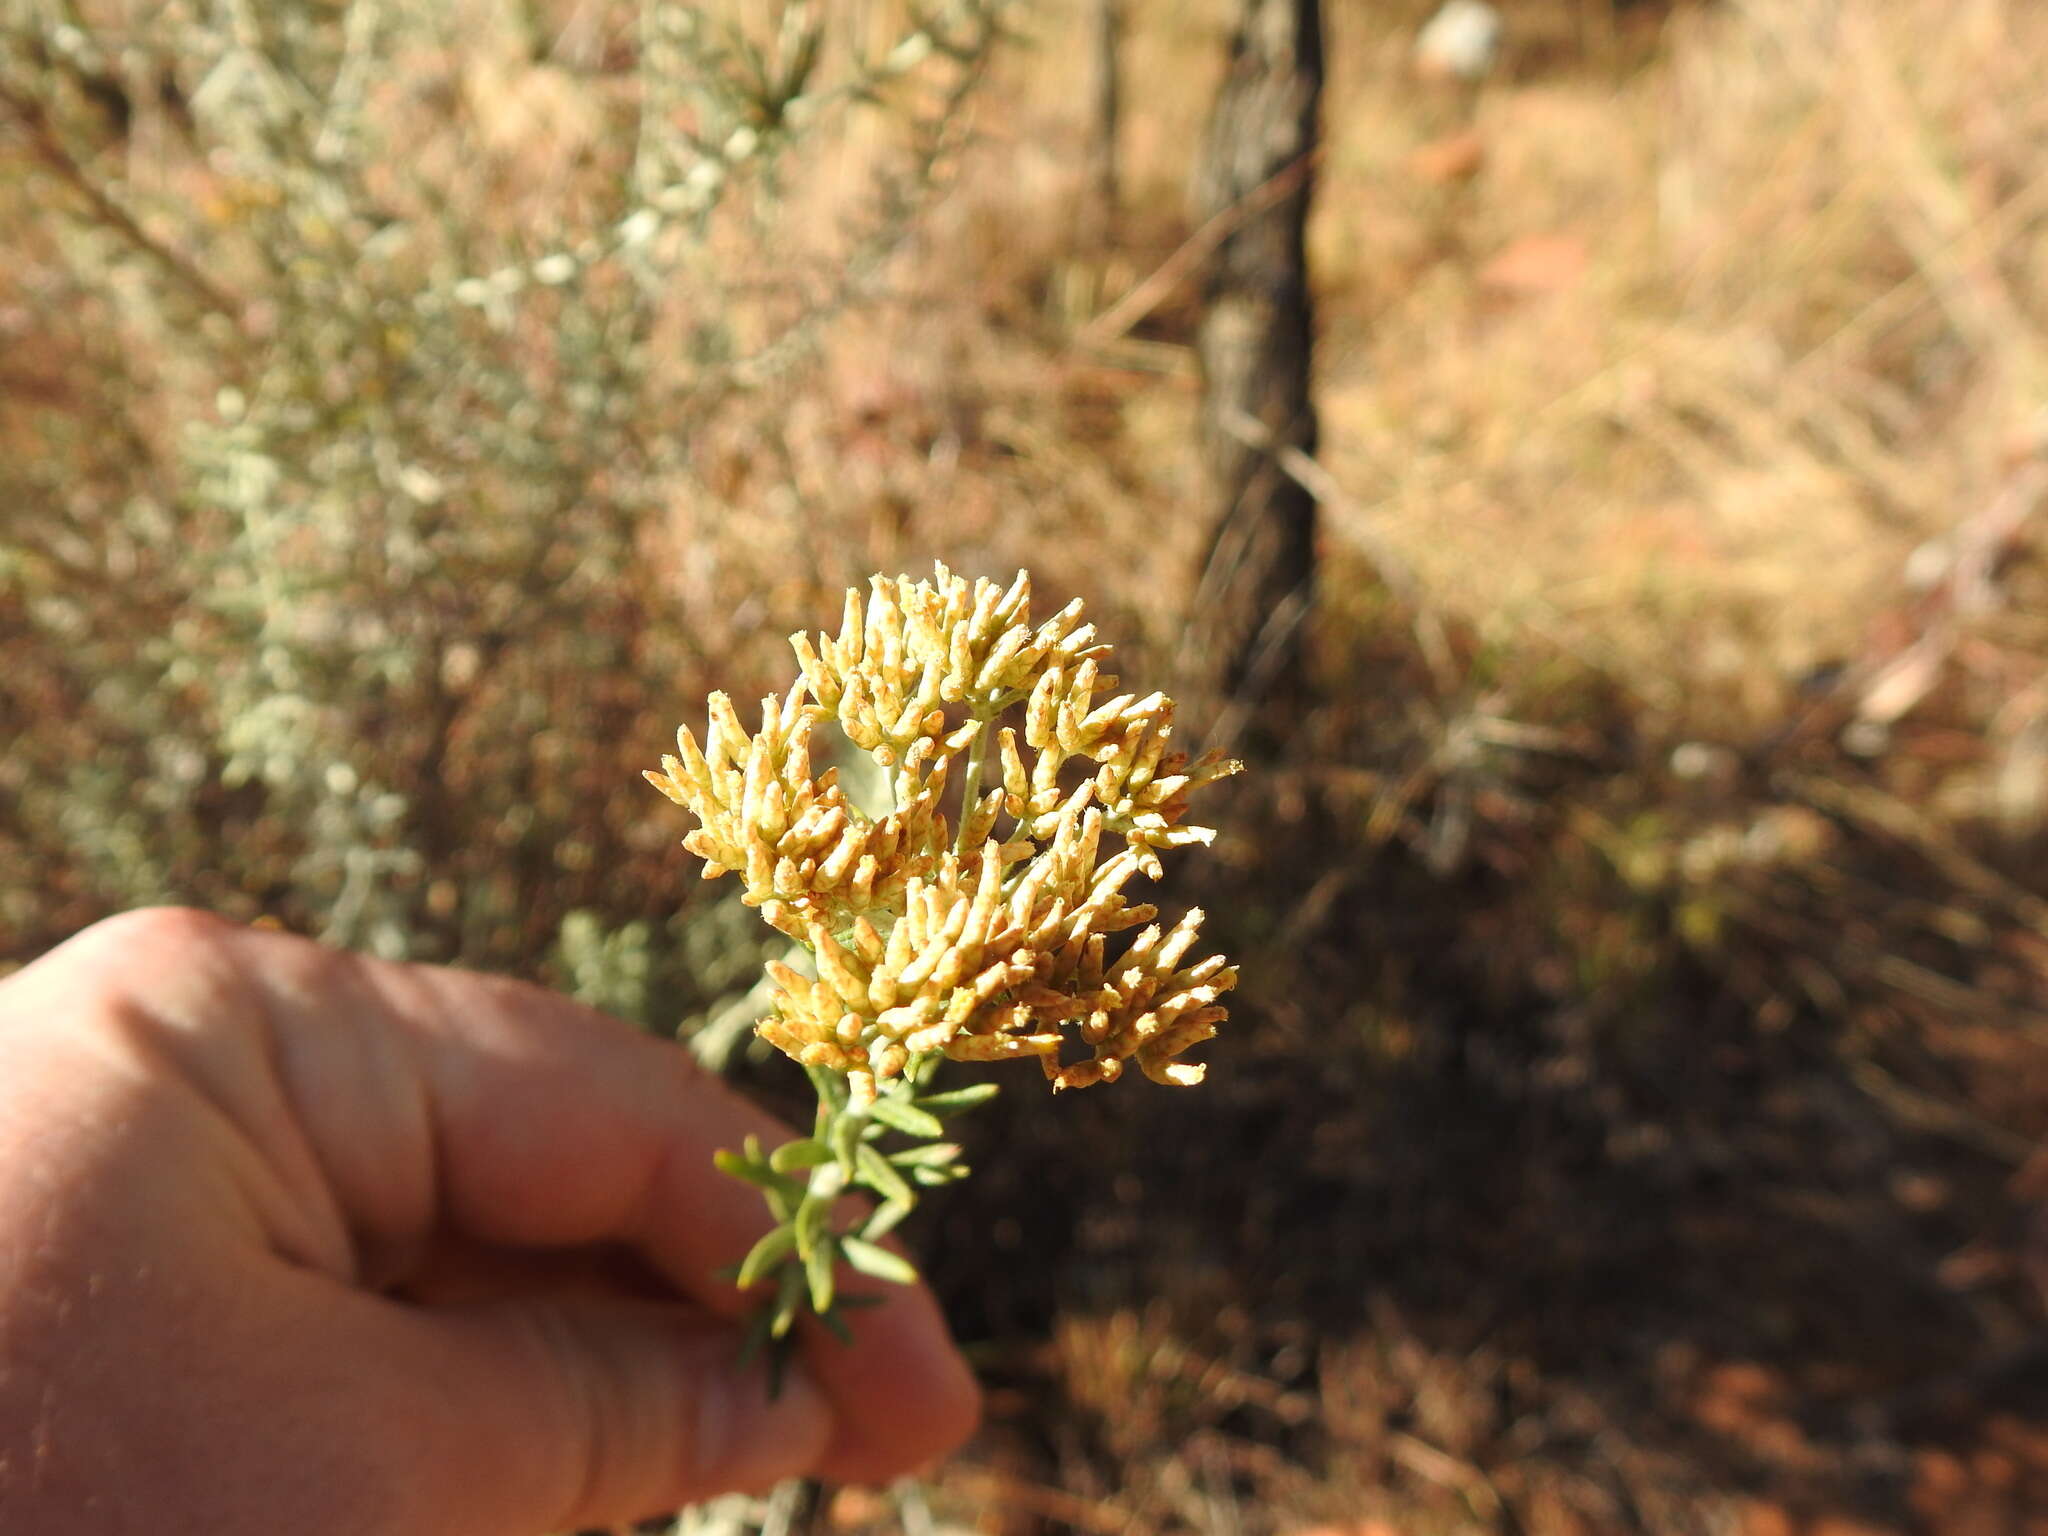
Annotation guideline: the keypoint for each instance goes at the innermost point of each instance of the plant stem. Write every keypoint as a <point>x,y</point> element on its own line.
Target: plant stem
<point>798,1259</point>
<point>970,786</point>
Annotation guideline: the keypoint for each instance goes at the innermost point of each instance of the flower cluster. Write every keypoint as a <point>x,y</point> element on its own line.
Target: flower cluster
<point>971,915</point>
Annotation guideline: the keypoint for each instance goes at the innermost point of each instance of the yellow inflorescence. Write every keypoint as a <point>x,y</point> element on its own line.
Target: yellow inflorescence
<point>984,940</point>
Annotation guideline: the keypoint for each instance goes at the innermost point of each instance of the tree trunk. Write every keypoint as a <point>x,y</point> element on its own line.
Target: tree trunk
<point>1255,344</point>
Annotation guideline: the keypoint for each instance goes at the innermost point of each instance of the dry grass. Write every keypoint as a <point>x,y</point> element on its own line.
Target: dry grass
<point>1676,382</point>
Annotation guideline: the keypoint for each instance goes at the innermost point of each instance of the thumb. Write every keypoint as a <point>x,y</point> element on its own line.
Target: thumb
<point>585,1411</point>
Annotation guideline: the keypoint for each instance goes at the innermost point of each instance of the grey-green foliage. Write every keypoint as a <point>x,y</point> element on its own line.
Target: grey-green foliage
<point>347,604</point>
<point>608,968</point>
<point>722,949</point>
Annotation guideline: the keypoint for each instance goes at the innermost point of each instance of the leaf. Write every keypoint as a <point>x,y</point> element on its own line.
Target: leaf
<point>781,1194</point>
<point>770,1251</point>
<point>1536,264</point>
<point>793,1155</point>
<point>728,1161</point>
<point>1453,158</point>
<point>757,1335</point>
<point>754,1170</point>
<point>818,1273</point>
<point>873,1259</point>
<point>810,1228</point>
<point>883,1178</point>
<point>788,1301</point>
<point>845,1137</point>
<point>885,1218</point>
<point>958,1100</point>
<point>902,1115</point>
<point>938,1154</point>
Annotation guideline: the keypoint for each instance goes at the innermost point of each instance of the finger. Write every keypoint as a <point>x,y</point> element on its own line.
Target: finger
<point>896,1426</point>
<point>621,1409</point>
<point>435,1100</point>
<point>557,1125</point>
<point>514,1416</point>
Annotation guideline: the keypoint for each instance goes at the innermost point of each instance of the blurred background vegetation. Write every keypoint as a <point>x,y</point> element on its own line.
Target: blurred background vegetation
<point>408,412</point>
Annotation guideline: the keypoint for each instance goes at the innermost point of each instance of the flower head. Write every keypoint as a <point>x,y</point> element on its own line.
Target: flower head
<point>983,934</point>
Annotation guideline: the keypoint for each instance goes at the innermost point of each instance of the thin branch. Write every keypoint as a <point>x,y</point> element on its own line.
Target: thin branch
<point>1147,294</point>
<point>44,143</point>
<point>1397,575</point>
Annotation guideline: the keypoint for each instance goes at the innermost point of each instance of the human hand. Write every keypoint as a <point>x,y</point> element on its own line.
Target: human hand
<point>293,1240</point>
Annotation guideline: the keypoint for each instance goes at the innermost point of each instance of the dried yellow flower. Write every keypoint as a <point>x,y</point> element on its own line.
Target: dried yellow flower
<point>978,931</point>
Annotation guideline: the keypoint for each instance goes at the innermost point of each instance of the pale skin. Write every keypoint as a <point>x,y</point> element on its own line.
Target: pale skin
<point>292,1240</point>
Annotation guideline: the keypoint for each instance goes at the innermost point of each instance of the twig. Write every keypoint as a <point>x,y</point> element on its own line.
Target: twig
<point>1269,651</point>
<point>1395,572</point>
<point>1986,538</point>
<point>1892,816</point>
<point>1053,1503</point>
<point>1446,1471</point>
<point>1931,1116</point>
<point>946,133</point>
<point>1145,295</point>
<point>49,149</point>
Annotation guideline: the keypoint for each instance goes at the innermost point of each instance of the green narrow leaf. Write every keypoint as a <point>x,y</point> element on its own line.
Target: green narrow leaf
<point>770,1251</point>
<point>789,1301</point>
<point>818,1273</point>
<point>794,1155</point>
<point>883,1178</point>
<point>936,1155</point>
<point>902,1115</point>
<point>845,1136</point>
<point>873,1259</point>
<point>781,1194</point>
<point>755,1171</point>
<point>933,1178</point>
<point>756,1338</point>
<point>727,1161</point>
<point>810,1227</point>
<point>958,1100</point>
<point>885,1218</point>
